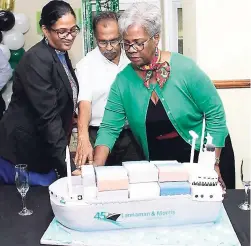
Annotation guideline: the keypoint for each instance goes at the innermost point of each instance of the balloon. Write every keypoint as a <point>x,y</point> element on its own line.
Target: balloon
<point>5,51</point>
<point>21,23</point>
<point>13,64</point>
<point>7,93</point>
<point>7,20</point>
<point>1,37</point>
<point>16,55</point>
<point>13,39</point>
<point>7,4</point>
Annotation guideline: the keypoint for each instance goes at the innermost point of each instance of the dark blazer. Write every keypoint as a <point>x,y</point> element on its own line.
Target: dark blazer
<point>36,126</point>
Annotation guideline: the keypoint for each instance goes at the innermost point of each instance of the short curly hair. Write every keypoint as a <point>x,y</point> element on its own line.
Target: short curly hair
<point>145,14</point>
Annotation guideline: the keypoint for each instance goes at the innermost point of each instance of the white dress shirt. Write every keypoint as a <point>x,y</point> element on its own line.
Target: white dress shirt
<point>5,70</point>
<point>95,75</point>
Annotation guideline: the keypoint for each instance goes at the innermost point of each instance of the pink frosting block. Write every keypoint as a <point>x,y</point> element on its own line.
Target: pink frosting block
<point>172,174</point>
<point>108,185</point>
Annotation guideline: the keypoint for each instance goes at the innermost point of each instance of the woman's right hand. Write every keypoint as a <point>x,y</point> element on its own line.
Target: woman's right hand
<point>84,152</point>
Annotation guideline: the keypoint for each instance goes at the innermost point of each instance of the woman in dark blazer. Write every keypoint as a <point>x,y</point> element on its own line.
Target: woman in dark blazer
<point>36,127</point>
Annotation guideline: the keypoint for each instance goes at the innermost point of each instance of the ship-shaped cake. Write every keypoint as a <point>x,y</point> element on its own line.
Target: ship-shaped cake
<point>139,194</point>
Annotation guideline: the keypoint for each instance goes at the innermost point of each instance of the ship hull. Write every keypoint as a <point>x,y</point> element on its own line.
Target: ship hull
<point>82,215</point>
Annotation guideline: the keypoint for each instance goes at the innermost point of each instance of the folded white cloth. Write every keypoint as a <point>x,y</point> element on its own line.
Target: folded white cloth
<point>141,172</point>
<point>88,175</point>
<point>144,190</point>
<point>114,195</point>
<point>111,178</point>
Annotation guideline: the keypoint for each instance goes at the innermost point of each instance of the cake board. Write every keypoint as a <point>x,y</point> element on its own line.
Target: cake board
<point>219,233</point>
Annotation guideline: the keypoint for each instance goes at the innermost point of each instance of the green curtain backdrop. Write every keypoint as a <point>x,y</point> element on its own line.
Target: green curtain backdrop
<point>90,6</point>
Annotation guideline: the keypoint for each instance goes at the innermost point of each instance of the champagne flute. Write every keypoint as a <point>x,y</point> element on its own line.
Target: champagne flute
<point>246,181</point>
<point>22,184</point>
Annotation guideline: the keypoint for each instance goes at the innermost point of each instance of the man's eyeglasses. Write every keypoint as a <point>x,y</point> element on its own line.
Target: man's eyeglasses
<point>104,43</point>
<point>136,46</point>
<point>64,33</point>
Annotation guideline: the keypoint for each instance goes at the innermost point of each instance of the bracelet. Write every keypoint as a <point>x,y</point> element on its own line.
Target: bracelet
<point>217,161</point>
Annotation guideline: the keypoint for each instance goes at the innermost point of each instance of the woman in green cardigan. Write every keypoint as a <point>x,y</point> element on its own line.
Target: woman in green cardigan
<point>163,95</point>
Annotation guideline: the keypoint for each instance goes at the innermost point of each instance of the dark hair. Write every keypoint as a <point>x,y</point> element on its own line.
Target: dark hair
<point>53,11</point>
<point>105,15</point>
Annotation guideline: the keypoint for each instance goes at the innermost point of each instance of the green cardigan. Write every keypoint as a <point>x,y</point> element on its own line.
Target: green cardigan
<point>187,95</point>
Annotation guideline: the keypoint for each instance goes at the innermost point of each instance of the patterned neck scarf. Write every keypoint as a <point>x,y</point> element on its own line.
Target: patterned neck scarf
<point>162,70</point>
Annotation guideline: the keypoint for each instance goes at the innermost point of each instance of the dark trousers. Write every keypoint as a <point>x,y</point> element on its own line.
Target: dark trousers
<point>227,164</point>
<point>178,149</point>
<point>125,149</point>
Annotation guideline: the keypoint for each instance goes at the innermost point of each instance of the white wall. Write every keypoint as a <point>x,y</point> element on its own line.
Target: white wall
<point>189,28</point>
<point>221,47</point>
<point>223,38</point>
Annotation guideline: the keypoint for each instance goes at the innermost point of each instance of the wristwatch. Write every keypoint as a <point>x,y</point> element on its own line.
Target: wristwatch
<point>217,161</point>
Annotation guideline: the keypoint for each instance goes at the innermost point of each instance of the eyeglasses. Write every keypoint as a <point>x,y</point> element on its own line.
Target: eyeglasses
<point>64,33</point>
<point>136,46</point>
<point>104,43</point>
